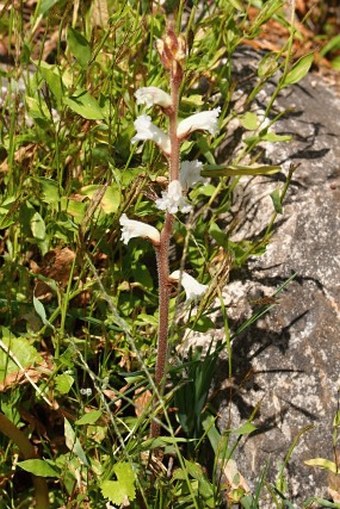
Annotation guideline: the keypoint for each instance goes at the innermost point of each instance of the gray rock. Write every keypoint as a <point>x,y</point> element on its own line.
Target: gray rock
<point>287,366</point>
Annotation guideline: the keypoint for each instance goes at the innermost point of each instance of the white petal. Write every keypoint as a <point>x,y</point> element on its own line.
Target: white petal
<point>146,130</point>
<point>153,95</point>
<point>132,229</point>
<point>190,173</point>
<point>203,121</point>
<point>173,200</point>
<point>193,289</point>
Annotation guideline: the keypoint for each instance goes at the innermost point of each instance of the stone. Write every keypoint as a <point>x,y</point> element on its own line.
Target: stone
<point>286,366</point>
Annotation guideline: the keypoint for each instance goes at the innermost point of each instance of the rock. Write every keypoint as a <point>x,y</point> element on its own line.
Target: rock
<point>286,366</point>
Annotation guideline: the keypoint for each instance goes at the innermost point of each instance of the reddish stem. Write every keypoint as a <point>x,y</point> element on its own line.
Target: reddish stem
<point>163,253</point>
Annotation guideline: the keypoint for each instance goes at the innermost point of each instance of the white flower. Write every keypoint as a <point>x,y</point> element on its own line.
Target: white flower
<point>86,391</point>
<point>203,121</point>
<point>172,200</point>
<point>132,229</point>
<point>153,95</point>
<point>146,130</point>
<point>193,289</point>
<point>190,173</point>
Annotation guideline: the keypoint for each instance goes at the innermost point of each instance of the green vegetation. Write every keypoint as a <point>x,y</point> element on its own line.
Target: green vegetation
<point>78,308</point>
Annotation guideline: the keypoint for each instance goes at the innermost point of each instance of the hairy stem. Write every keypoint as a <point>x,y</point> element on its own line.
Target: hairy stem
<point>164,297</point>
<point>163,253</point>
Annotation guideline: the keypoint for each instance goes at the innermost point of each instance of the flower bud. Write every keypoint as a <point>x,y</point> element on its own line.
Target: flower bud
<point>172,52</point>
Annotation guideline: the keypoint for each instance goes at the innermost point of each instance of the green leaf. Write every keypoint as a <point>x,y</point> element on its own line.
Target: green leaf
<point>273,137</point>
<point>193,469</point>
<point>73,444</point>
<point>214,436</point>
<point>194,101</point>
<point>322,463</point>
<point>238,5</point>
<point>90,418</point>
<point>205,149</point>
<point>321,502</point>
<point>23,352</point>
<point>299,70</point>
<point>111,199</point>
<point>206,190</point>
<point>79,46</point>
<point>333,44</point>
<point>276,199</point>
<point>245,429</point>
<point>142,276</point>
<point>336,420</point>
<point>39,468</point>
<point>203,324</point>
<point>218,235</point>
<point>40,310</point>
<point>49,188</point>
<point>8,217</point>
<point>44,6</point>
<point>122,490</point>
<point>109,202</point>
<point>85,105</point>
<point>38,226</point>
<point>74,208</point>
<point>335,63</point>
<point>249,121</point>
<point>267,66</point>
<point>63,383</point>
<point>51,75</point>
<point>37,110</point>
<point>144,318</point>
<point>236,170</point>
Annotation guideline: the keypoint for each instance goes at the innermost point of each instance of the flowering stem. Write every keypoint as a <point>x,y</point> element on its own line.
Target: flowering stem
<point>175,143</point>
<point>163,253</point>
<point>164,297</point>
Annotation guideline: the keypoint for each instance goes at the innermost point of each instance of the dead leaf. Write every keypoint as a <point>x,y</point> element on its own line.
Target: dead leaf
<point>56,266</point>
<point>28,375</point>
<point>334,486</point>
<point>100,13</point>
<point>23,157</point>
<point>142,399</point>
<point>232,478</point>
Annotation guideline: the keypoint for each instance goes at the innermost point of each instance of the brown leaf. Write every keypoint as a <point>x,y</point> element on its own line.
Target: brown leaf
<point>57,266</point>
<point>32,373</point>
<point>100,13</point>
<point>232,478</point>
<point>141,400</point>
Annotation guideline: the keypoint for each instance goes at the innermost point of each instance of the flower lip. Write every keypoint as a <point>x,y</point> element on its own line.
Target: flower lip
<point>132,229</point>
<point>153,95</point>
<point>193,289</point>
<point>173,200</point>
<point>190,173</point>
<point>202,121</point>
<point>146,130</point>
